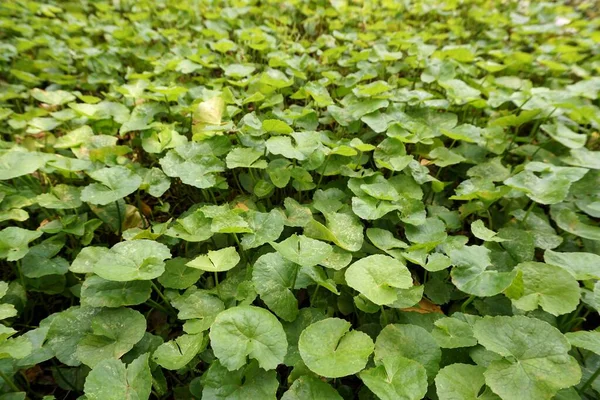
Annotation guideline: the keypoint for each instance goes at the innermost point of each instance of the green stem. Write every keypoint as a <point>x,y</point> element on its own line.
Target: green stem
<point>160,294</point>
<point>314,295</point>
<point>385,318</point>
<point>463,308</point>
<point>323,174</point>
<point>9,382</point>
<point>217,284</point>
<point>590,381</point>
<point>528,211</point>
<point>119,216</point>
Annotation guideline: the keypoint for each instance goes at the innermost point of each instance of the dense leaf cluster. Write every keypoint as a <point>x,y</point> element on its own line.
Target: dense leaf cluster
<point>305,199</point>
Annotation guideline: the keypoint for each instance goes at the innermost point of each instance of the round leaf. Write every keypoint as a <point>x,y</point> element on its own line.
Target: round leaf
<point>330,349</point>
<point>247,331</point>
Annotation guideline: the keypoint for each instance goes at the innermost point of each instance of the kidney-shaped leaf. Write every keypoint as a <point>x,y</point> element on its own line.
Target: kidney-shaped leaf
<point>544,285</point>
<point>378,278</point>
<point>462,381</point>
<point>112,380</point>
<point>274,278</point>
<point>175,354</point>
<point>216,260</point>
<point>396,378</point>
<point>113,333</point>
<point>245,331</point>
<point>303,250</point>
<point>535,363</point>
<point>330,349</point>
<point>115,183</point>
<point>472,273</point>
<point>133,260</point>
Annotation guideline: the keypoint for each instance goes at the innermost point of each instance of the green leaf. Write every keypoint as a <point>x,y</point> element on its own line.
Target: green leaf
<point>274,278</point>
<point>18,163</point>
<point>535,362</point>
<point>345,230</point>
<point>66,329</point>
<point>308,387</point>
<point>565,136</point>
<point>193,163</point>
<point>378,278</point>
<point>112,380</point>
<point>294,329</point>
<point>14,242</point>
<point>115,183</point>
<point>242,157</point>
<point>266,227</point>
<point>113,332</point>
<point>319,94</point>
<point>209,111</point>
<point>176,354</point>
<point>585,340</point>
<point>432,231</point>
<point>473,272</point>
<point>481,232</point>
<point>194,227</point>
<point>98,292</point>
<point>409,341</point>
<point>548,286</point>
<point>276,126</point>
<point>462,381</point>
<point>54,97</point>
<point>60,197</point>
<point>573,223</point>
<point>133,260</point>
<point>545,183</point>
<point>216,260</point>
<point>453,333</point>
<point>248,382</point>
<point>396,378</point>
<point>248,331</point>
<point>303,250</point>
<point>178,275</point>
<point>330,349</point>
<point>582,266</point>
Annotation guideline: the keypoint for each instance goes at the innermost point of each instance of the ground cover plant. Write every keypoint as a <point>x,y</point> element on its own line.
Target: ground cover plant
<point>299,200</point>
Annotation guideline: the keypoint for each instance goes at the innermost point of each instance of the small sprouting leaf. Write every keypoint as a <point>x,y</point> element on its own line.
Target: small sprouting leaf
<point>216,260</point>
<point>330,349</point>
<point>246,331</point>
<point>378,278</point>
